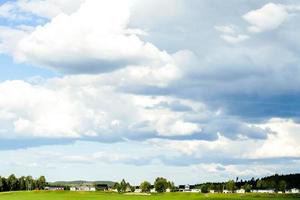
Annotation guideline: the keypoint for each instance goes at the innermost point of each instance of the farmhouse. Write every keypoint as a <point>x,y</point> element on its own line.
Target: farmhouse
<point>83,188</point>
<point>188,188</point>
<point>137,189</point>
<point>152,190</point>
<point>240,191</point>
<point>227,191</point>
<point>54,188</point>
<point>263,191</point>
<point>293,191</point>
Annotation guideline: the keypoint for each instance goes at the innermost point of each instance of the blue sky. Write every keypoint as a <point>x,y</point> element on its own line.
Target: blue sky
<point>197,91</point>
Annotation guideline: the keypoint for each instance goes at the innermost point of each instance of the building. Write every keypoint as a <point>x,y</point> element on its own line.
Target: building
<point>55,188</point>
<point>241,191</point>
<point>152,190</point>
<point>211,191</point>
<point>138,189</point>
<point>263,191</point>
<point>188,188</point>
<point>293,191</point>
<point>195,190</point>
<point>83,188</point>
<point>227,191</point>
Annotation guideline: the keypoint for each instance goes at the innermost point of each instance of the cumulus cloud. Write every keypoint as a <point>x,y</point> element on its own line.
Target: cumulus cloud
<point>55,109</point>
<point>234,39</point>
<point>266,18</point>
<point>230,34</point>
<point>284,143</point>
<point>269,17</point>
<point>86,42</point>
<point>9,38</point>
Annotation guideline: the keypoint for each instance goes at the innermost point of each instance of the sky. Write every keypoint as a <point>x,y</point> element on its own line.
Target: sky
<point>191,90</point>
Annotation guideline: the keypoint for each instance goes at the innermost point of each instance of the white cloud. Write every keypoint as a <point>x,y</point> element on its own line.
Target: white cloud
<point>235,39</point>
<point>226,29</point>
<point>190,147</point>
<point>9,39</point>
<point>41,111</point>
<point>86,42</point>
<point>83,106</point>
<point>269,17</point>
<point>5,10</point>
<point>172,127</point>
<point>231,34</point>
<point>285,143</point>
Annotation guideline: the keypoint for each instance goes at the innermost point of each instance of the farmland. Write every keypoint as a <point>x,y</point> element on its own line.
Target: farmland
<point>42,195</point>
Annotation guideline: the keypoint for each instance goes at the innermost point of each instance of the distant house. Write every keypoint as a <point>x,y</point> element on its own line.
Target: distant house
<point>227,191</point>
<point>112,190</point>
<point>188,188</point>
<point>181,188</point>
<point>83,188</point>
<point>137,189</point>
<point>293,191</point>
<point>55,188</point>
<point>211,191</point>
<point>240,191</point>
<point>152,190</point>
<point>263,191</point>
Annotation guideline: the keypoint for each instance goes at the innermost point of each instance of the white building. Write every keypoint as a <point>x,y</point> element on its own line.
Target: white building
<point>83,188</point>
<point>240,191</point>
<point>293,191</point>
<point>195,190</point>
<point>55,188</point>
<point>226,191</point>
<point>263,191</point>
<point>138,190</point>
<point>153,190</point>
<point>211,191</point>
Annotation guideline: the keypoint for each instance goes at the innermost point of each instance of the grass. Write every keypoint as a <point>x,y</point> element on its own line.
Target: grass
<point>42,195</point>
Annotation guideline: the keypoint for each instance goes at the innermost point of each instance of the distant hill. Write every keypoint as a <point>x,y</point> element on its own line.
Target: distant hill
<point>81,182</point>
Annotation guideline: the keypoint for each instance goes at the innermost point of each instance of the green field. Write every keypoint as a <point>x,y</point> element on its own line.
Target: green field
<point>113,196</point>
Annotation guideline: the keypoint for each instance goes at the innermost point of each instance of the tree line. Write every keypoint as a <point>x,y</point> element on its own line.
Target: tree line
<point>13,183</point>
<point>160,185</point>
<point>275,182</point>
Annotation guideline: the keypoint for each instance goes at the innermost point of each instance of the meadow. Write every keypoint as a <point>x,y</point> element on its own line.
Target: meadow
<point>42,195</point>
